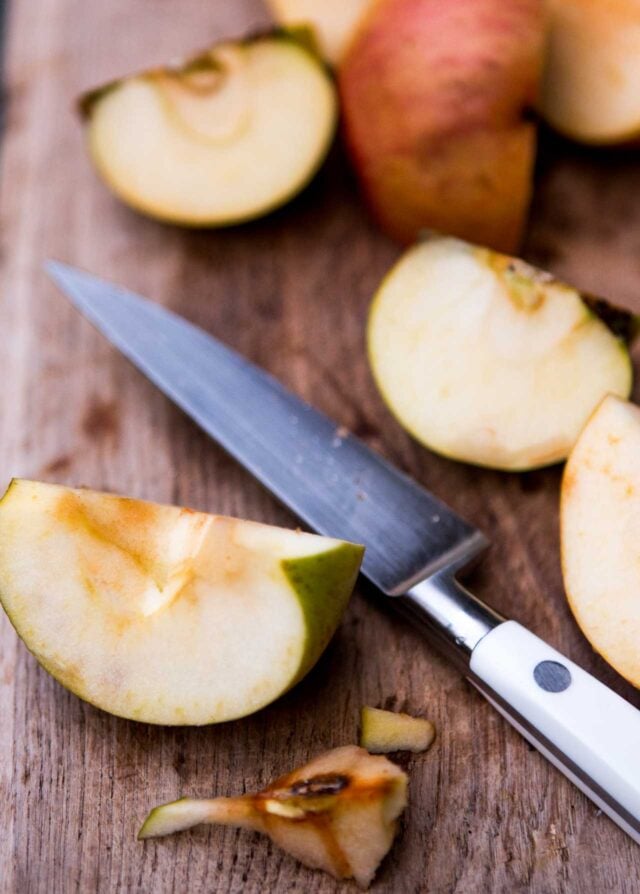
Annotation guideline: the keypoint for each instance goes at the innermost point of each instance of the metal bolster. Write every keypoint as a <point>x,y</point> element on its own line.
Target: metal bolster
<point>453,616</point>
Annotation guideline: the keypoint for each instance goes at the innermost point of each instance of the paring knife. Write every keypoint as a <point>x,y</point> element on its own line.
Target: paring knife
<point>415,545</point>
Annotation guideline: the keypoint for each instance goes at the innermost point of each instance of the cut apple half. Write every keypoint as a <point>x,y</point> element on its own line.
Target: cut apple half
<point>591,84</point>
<point>333,21</point>
<point>162,614</point>
<point>486,359</point>
<point>221,139</point>
<point>338,813</point>
<point>600,533</point>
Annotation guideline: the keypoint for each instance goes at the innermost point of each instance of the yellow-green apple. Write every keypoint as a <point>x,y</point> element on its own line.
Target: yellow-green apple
<point>338,813</point>
<point>600,533</point>
<point>162,614</point>
<point>436,99</point>
<point>591,83</point>
<point>333,21</point>
<point>385,731</point>
<point>223,138</point>
<point>486,359</point>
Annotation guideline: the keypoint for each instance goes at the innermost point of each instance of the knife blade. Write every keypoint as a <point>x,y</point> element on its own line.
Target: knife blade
<point>330,479</point>
<point>415,545</point>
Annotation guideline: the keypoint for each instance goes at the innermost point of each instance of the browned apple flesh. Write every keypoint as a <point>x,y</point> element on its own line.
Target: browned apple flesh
<point>338,813</point>
<point>162,614</point>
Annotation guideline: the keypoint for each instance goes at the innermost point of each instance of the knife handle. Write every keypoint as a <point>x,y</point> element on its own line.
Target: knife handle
<point>591,734</point>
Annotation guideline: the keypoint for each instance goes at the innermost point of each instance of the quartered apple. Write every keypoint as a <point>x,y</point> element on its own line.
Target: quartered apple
<point>600,532</point>
<point>338,813</point>
<point>591,84</point>
<point>162,614</point>
<point>334,21</point>
<point>436,98</point>
<point>486,359</point>
<point>223,138</point>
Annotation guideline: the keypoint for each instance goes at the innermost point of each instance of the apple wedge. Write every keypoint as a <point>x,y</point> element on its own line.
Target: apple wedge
<point>436,99</point>
<point>223,138</point>
<point>333,21</point>
<point>486,359</point>
<point>591,84</point>
<point>600,533</point>
<point>166,615</point>
<point>338,813</point>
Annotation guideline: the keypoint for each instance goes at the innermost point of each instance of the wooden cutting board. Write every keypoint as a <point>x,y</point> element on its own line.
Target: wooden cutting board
<point>487,813</point>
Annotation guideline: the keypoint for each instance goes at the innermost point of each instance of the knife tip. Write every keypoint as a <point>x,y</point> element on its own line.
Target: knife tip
<point>63,275</point>
<point>77,285</point>
<point>54,268</point>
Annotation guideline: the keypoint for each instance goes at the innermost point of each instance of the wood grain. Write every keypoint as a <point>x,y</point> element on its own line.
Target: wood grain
<point>487,813</point>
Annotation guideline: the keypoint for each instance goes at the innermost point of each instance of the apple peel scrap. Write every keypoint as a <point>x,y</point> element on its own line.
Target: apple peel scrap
<point>386,731</point>
<point>338,813</point>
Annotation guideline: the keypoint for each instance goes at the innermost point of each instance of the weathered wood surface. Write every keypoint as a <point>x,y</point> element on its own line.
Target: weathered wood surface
<point>487,813</point>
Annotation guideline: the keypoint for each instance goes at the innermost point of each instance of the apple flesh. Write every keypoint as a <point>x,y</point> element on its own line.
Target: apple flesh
<point>338,813</point>
<point>600,533</point>
<point>486,359</point>
<point>220,139</point>
<point>333,21</point>
<point>166,615</point>
<point>436,100</point>
<point>591,89</point>
<point>386,731</point>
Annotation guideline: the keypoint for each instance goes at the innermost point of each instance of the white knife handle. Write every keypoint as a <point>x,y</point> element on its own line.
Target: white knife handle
<point>591,734</point>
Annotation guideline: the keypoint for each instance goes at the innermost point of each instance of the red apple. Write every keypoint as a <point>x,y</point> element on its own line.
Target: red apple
<point>436,98</point>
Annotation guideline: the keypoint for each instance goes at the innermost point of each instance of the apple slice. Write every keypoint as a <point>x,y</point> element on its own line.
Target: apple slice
<point>600,533</point>
<point>162,614</point>
<point>591,83</point>
<point>334,21</point>
<point>386,731</point>
<point>486,359</point>
<point>338,813</point>
<point>223,138</point>
<point>436,99</point>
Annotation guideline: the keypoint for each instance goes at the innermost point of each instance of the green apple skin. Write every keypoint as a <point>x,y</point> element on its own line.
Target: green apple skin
<point>312,590</point>
<point>180,815</point>
<point>323,585</point>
